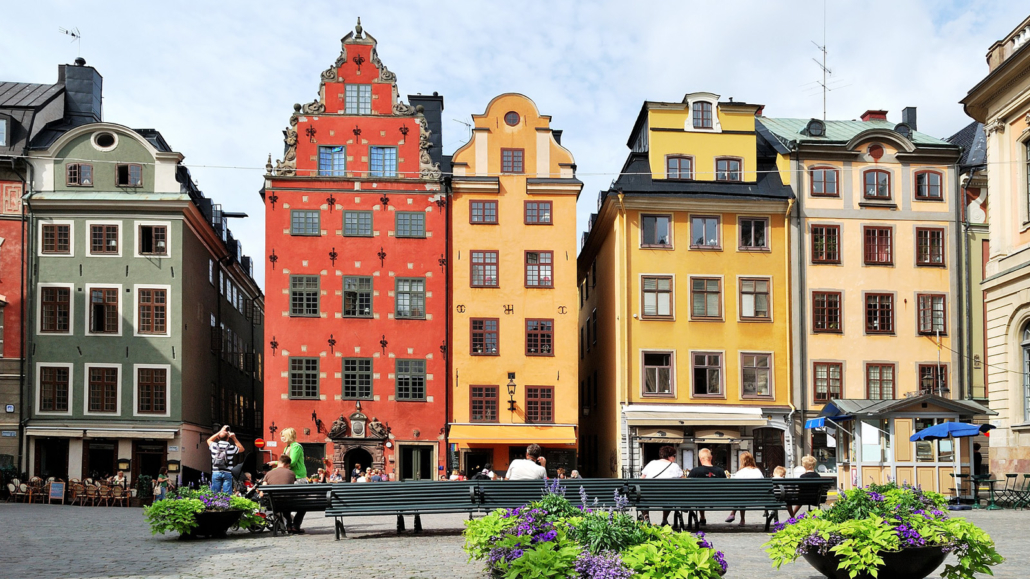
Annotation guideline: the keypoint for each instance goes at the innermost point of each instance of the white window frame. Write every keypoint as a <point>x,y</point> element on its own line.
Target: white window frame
<point>39,309</point>
<point>168,310</point>
<point>89,238</point>
<point>89,308</point>
<point>85,390</point>
<point>71,388</point>
<point>71,237</point>
<point>136,238</point>
<point>168,390</point>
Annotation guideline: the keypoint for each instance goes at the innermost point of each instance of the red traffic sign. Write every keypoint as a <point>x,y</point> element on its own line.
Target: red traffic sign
<point>259,443</point>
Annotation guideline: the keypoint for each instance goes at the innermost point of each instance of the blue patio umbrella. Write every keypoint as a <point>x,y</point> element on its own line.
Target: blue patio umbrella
<point>950,429</point>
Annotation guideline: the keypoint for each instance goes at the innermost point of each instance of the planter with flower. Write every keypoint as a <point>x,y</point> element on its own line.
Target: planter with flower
<point>553,537</point>
<point>884,531</point>
<point>200,512</point>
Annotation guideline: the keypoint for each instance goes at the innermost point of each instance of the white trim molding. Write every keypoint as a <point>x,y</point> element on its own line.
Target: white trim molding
<point>89,308</point>
<point>168,389</point>
<point>71,237</point>
<point>168,310</point>
<point>136,238</point>
<point>85,390</point>
<point>39,308</point>
<point>71,388</point>
<point>89,238</point>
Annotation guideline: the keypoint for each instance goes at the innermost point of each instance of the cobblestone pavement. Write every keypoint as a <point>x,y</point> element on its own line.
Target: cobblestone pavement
<point>58,542</point>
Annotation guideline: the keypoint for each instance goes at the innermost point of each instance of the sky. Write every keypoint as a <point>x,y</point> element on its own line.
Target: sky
<point>219,79</point>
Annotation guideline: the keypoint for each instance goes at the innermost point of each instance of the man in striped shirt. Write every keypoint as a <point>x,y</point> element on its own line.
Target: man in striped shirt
<point>223,445</point>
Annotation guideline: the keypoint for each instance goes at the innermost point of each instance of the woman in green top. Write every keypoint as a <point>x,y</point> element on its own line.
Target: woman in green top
<point>162,483</point>
<point>295,451</point>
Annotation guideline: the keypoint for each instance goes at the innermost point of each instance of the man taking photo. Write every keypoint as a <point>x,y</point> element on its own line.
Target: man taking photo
<point>224,446</point>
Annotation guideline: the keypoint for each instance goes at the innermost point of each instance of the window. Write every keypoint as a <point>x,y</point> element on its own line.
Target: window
<point>824,182</point>
<point>539,404</point>
<point>539,337</point>
<point>825,244</point>
<point>657,296</point>
<point>483,212</point>
<point>656,231</point>
<point>677,167</point>
<point>211,271</point>
<point>152,387</point>
<point>153,240</point>
<point>103,310</point>
<point>877,185</point>
<point>484,269</point>
<point>53,389</point>
<point>511,160</point>
<point>704,232</point>
<point>357,378</point>
<point>304,222</point>
<point>55,309</point>
<point>382,161</point>
<point>1026,150</point>
<point>483,404</point>
<point>103,239</point>
<point>754,299</point>
<point>582,344</point>
<point>411,224</point>
<point>103,389</point>
<point>79,175</point>
<point>928,186</point>
<point>411,380</point>
<point>303,377</point>
<point>484,336</point>
<point>707,374</point>
<point>826,312</point>
<point>357,297</point>
<point>702,115</point>
<point>932,314</point>
<point>411,298</point>
<point>57,239</point>
<point>539,269</point>
<point>705,297</point>
<point>593,323</point>
<point>879,246</point>
<point>129,175</point>
<point>753,233</point>
<point>511,118</point>
<point>879,313</point>
<point>728,170</point>
<point>933,379</point>
<point>929,246</point>
<point>827,381</point>
<point>538,212</point>
<point>152,311</point>
<point>332,161</point>
<point>304,295</point>
<point>880,381</point>
<point>357,99</point>
<point>3,132</point>
<point>1026,357</point>
<point>357,223</point>
<point>756,378</point>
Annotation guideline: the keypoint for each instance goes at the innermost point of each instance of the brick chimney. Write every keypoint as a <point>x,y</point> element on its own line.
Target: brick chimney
<point>872,115</point>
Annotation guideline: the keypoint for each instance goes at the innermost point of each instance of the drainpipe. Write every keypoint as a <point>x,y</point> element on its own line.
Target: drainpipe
<point>790,325</point>
<point>26,300</point>
<point>803,294</point>
<point>965,287</point>
<point>448,354</point>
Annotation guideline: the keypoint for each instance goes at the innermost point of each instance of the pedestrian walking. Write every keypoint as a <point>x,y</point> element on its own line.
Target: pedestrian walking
<point>224,447</point>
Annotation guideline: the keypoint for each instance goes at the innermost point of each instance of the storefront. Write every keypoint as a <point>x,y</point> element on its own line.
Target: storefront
<point>76,452</point>
<point>476,445</point>
<point>872,443</point>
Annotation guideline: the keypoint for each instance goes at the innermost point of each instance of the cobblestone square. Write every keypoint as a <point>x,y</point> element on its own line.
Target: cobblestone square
<point>63,542</point>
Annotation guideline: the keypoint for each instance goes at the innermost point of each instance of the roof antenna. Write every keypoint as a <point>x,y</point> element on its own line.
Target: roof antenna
<point>76,36</point>
<point>822,64</point>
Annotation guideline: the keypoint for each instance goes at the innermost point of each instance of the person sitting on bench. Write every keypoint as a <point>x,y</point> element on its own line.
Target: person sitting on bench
<point>706,470</point>
<point>529,468</point>
<point>808,462</point>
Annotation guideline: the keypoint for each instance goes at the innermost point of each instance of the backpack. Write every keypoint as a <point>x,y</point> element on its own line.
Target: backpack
<point>220,461</point>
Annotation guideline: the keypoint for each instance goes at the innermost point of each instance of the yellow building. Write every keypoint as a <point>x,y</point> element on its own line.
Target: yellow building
<point>685,311</point>
<point>513,290</point>
<point>876,288</point>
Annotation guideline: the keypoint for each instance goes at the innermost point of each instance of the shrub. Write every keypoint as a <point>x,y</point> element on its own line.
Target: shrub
<point>178,511</point>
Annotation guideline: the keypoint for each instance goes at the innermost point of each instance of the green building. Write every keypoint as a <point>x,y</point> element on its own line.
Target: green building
<point>144,322</point>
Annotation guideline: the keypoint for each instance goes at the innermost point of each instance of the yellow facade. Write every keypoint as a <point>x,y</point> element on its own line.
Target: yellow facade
<point>706,335</point>
<point>524,296</point>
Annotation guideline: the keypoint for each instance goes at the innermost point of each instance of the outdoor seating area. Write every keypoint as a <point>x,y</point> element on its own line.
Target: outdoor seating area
<point>85,492</point>
<point>993,492</point>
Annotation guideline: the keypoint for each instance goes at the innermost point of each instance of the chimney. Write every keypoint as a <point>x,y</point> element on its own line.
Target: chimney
<point>908,116</point>
<point>432,109</point>
<point>83,92</point>
<point>872,115</point>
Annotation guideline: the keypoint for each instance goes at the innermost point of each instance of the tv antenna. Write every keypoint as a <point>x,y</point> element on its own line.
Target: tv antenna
<point>468,125</point>
<point>822,65</point>
<point>76,36</point>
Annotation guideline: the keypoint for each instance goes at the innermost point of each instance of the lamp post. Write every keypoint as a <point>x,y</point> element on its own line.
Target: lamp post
<point>511,391</point>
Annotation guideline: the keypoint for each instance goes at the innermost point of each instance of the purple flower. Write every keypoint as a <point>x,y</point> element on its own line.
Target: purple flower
<point>604,565</point>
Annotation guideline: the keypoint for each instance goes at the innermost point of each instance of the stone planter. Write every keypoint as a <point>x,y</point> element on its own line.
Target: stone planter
<point>912,563</point>
<point>213,524</point>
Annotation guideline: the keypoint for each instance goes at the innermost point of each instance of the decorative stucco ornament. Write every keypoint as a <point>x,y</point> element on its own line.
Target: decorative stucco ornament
<point>339,428</point>
<point>427,169</point>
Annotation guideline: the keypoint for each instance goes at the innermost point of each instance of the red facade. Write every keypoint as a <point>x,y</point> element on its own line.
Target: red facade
<point>12,228</point>
<point>355,232</point>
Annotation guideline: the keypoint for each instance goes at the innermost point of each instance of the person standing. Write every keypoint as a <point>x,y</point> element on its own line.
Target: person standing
<point>356,472</point>
<point>529,468</point>
<point>223,446</point>
<point>706,470</point>
<point>748,469</point>
<point>162,483</point>
<point>295,451</point>
<point>664,467</point>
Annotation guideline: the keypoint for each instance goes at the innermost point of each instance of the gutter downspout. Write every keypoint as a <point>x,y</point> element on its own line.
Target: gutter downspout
<point>26,300</point>
<point>965,391</point>
<point>445,190</point>
<point>622,323</point>
<point>790,325</point>
<point>803,293</point>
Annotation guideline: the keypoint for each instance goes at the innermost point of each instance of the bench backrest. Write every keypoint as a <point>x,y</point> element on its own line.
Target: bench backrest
<point>803,491</point>
<point>303,497</point>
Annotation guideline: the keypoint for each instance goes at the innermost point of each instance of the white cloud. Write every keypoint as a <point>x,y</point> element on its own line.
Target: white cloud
<point>219,79</point>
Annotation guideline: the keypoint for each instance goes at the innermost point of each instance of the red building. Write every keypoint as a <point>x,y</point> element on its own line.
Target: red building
<point>355,232</point>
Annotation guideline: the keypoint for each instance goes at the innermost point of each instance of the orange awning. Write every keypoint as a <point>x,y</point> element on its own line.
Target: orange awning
<point>512,434</point>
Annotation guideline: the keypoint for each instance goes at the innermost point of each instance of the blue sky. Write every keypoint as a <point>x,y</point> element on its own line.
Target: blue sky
<point>219,79</point>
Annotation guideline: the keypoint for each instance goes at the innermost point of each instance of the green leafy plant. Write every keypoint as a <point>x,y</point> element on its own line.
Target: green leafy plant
<point>604,533</point>
<point>249,518</point>
<point>670,554</point>
<point>177,515</point>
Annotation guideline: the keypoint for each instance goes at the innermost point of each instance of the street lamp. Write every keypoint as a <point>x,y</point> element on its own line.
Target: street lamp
<point>511,391</point>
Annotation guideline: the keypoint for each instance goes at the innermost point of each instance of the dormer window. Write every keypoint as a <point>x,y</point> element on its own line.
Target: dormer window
<point>3,132</point>
<point>903,130</point>
<point>702,113</point>
<point>728,169</point>
<point>816,128</point>
<point>79,175</point>
<point>357,99</point>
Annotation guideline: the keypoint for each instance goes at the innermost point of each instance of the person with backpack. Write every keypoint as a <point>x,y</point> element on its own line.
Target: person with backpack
<point>664,467</point>
<point>224,446</point>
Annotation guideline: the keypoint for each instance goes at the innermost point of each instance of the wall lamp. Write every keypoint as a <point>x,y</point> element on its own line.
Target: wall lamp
<point>511,391</point>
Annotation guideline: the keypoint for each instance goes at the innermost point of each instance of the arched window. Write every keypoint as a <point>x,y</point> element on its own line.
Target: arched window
<point>1026,372</point>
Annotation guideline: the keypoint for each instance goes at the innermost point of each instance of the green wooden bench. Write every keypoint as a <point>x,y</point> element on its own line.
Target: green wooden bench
<point>292,498</point>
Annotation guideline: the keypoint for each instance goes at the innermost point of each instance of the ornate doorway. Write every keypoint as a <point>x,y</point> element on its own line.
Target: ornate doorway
<point>354,457</point>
